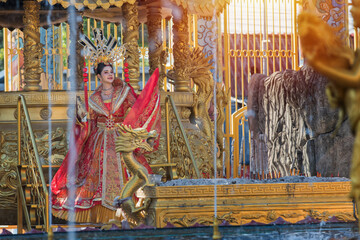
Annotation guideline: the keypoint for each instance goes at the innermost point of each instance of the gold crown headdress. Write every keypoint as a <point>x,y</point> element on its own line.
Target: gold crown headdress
<point>102,49</point>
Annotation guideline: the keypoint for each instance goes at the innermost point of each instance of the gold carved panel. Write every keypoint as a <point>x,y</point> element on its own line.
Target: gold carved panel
<point>183,206</point>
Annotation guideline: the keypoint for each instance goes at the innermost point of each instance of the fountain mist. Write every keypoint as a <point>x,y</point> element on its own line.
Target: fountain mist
<point>48,20</point>
<point>72,95</point>
<point>216,233</point>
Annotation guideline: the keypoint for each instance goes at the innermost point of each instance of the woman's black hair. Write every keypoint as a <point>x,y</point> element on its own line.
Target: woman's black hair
<point>101,67</point>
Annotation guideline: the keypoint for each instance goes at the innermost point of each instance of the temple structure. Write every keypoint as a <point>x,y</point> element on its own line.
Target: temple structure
<point>209,95</point>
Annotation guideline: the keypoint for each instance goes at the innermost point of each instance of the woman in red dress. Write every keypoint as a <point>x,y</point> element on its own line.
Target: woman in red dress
<point>100,173</point>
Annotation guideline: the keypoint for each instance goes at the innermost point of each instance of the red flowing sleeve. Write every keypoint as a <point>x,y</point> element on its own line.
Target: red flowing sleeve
<point>145,113</point>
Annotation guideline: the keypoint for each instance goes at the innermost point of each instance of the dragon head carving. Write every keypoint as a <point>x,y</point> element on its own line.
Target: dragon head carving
<point>130,139</point>
<point>198,68</point>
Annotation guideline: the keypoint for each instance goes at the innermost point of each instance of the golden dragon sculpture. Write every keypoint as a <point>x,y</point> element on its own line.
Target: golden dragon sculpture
<point>199,71</point>
<point>325,52</point>
<point>126,143</point>
<point>198,68</point>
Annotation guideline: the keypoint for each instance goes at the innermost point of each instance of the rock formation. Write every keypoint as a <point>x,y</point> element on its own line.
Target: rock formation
<point>293,126</point>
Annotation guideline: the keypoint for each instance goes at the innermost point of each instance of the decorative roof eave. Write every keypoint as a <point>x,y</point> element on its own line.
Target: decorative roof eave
<point>90,4</point>
<point>200,7</point>
<point>203,7</point>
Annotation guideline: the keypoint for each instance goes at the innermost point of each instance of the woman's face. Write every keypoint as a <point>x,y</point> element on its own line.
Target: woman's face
<point>107,75</point>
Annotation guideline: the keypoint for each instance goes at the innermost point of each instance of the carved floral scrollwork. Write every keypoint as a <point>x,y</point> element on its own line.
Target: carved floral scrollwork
<point>186,221</point>
<point>322,216</point>
<point>185,113</point>
<point>253,216</point>
<point>203,152</point>
<point>8,177</point>
<point>8,159</point>
<point>179,151</point>
<point>8,150</point>
<point>200,146</point>
<point>159,156</point>
<point>207,36</point>
<point>271,215</point>
<point>58,145</point>
<point>326,215</point>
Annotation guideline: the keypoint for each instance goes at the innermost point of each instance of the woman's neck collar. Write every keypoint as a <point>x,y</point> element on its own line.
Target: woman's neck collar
<point>107,86</point>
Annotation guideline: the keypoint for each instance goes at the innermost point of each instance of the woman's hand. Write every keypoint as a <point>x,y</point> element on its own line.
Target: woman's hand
<point>80,108</point>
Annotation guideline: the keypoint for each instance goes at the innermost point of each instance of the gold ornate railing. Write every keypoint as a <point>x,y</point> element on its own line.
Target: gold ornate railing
<point>176,136</point>
<point>33,198</point>
<point>259,37</point>
<point>238,119</point>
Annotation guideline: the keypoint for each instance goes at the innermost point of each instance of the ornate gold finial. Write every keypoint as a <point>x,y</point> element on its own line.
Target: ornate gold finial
<point>102,49</point>
<point>216,233</point>
<point>181,52</point>
<point>50,234</point>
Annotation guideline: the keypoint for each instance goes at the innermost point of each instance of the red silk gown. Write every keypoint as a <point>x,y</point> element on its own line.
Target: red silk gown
<point>100,171</point>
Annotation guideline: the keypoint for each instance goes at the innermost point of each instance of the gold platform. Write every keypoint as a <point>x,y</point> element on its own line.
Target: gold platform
<point>183,206</point>
<point>179,205</point>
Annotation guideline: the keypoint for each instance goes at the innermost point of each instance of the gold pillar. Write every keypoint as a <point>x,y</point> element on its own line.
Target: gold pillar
<point>131,37</point>
<point>181,50</point>
<point>155,36</point>
<point>156,43</point>
<point>32,47</point>
<point>227,87</point>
